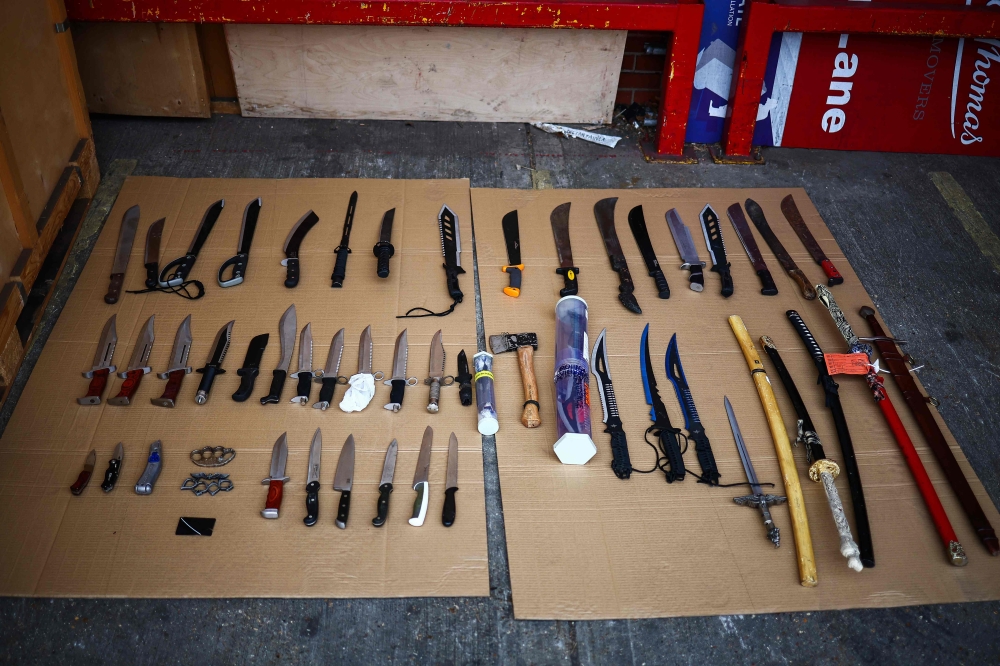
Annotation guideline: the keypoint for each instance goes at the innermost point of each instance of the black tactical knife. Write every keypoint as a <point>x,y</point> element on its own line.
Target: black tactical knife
<point>464,379</point>
<point>291,247</point>
<point>383,248</point>
<point>716,248</point>
<point>251,367</point>
<point>175,273</point>
<point>214,365</point>
<point>344,249</point>
<point>239,262</point>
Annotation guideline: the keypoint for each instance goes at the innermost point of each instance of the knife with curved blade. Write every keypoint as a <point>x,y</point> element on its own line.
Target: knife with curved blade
<point>102,366</point>
<point>214,366</point>
<point>286,337</point>
<point>621,464</point>
<point>637,223</point>
<point>794,217</point>
<point>177,366</point>
<point>136,366</point>
<point>756,214</point>
<point>126,237</point>
<point>560,232</point>
<point>604,212</point>
<point>291,247</point>
<point>239,262</point>
<point>182,266</point>
<point>330,376</point>
<point>692,422</point>
<point>304,374</point>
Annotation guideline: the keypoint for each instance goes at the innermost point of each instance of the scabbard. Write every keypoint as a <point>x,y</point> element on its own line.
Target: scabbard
<point>932,433</point>
<point>783,449</point>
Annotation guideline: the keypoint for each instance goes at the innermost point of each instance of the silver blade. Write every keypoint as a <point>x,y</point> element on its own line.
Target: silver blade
<point>599,364</point>
<point>106,347</point>
<point>91,460</point>
<point>399,357</point>
<point>182,347</point>
<point>153,236</point>
<point>286,336</point>
<point>682,237</point>
<point>143,346</point>
<point>344,478</point>
<point>422,472</point>
<point>560,231</point>
<point>279,456</point>
<point>365,352</point>
<point>332,368</point>
<point>119,452</point>
<point>385,235</point>
<point>130,221</point>
<point>704,230</point>
<point>221,344</point>
<point>742,448</point>
<point>315,457</point>
<point>306,349</point>
<point>452,476</point>
<point>437,357</point>
<point>389,466</point>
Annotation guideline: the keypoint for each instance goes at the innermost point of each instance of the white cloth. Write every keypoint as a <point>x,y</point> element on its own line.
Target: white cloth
<point>359,394</point>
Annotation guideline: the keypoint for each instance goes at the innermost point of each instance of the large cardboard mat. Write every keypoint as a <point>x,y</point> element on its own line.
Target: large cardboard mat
<point>583,544</point>
<point>122,544</point>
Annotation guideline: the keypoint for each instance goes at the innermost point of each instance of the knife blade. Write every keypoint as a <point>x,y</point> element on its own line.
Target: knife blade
<point>102,366</point>
<point>291,247</point>
<point>182,266</point>
<point>342,250</point>
<point>177,365</point>
<point>239,262</point>
<point>794,217</point>
<point>383,248</point>
<point>114,469</point>
<point>514,267</point>
<point>276,479</point>
<point>365,352</point>
<point>451,483</point>
<point>136,366</point>
<point>385,485</point>
<point>214,365</point>
<point>343,481</point>
<point>330,376</point>
<point>126,237</point>
<point>287,327</point>
<point>151,257</point>
<point>435,372</point>
<point>88,471</point>
<point>251,367</point>
<point>420,479</point>
<point>742,228</point>
<point>671,463</point>
<point>756,214</point>
<point>716,248</point>
<point>312,479</point>
<point>637,223</point>
<point>604,212</point>
<point>399,381</point>
<point>687,250</point>
<point>621,463</point>
<point>304,373</point>
<point>559,219</point>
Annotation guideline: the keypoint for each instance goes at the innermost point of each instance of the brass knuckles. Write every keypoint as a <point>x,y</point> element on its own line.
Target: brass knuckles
<point>212,456</point>
<point>447,380</point>
<point>200,483</point>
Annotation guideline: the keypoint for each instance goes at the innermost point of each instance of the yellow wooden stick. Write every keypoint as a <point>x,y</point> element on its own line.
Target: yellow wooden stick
<point>789,474</point>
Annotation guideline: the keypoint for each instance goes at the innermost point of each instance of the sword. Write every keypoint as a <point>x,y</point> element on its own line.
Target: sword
<point>758,499</point>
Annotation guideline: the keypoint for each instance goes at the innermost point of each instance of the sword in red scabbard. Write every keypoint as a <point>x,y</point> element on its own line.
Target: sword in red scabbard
<point>954,549</point>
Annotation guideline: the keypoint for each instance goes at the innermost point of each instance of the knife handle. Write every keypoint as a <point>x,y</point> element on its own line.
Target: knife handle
<point>173,387</point>
<point>81,482</point>
<point>382,506</point>
<point>453,289</point>
<point>128,388</point>
<point>181,267</point>
<point>343,509</point>
<point>152,272</point>
<point>329,385</point>
<point>514,290</point>
<point>569,279</point>
<point>662,288</point>
<point>111,475</point>
<point>420,504</point>
<point>435,397</point>
<point>312,503</point>
<point>832,273</point>
<point>396,395</point>
<point>448,514</point>
<point>115,288</point>
<point>465,392</point>
<point>340,267</point>
<point>291,272</point>
<point>706,459</point>
<point>621,463</point>
<point>248,376</point>
<point>767,286</point>
<point>277,383</point>
<point>273,503</point>
<point>697,277</point>
<point>383,250</point>
<point>239,264</point>
<point>208,377</point>
<point>800,279</point>
<point>727,279</point>
<point>530,417</point>
<point>304,388</point>
<point>96,389</point>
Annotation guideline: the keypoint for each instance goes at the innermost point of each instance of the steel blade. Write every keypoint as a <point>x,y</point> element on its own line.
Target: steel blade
<point>436,368</point>
<point>287,326</point>
<point>451,479</point>
<point>332,368</point>
<point>742,448</point>
<point>255,352</point>
<point>315,457</point>
<point>399,357</point>
<point>279,456</point>
<point>126,237</point>
<point>297,233</point>
<point>221,344</point>
<point>682,237</point>
<point>560,232</point>
<point>422,473</point>
<point>91,460</point>
<point>119,452</point>
<point>756,214</point>
<point>389,466</point>
<point>153,236</point>
<point>637,223</point>
<point>451,241</point>
<point>385,235</point>
<point>306,349</point>
<point>675,373</point>
<point>143,346</point>
<point>365,352</point>
<point>182,347</point>
<point>604,211</point>
<point>344,478</point>
<point>713,235</point>
<point>742,228</point>
<point>106,347</point>
<point>599,364</point>
<point>205,228</point>
<point>250,215</point>
<point>512,238</point>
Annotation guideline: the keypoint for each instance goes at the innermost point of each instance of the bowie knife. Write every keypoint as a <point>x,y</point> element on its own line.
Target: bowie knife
<point>154,464</point>
<point>239,262</point>
<point>286,337</point>
<point>637,223</point>
<point>83,480</point>
<point>758,499</point>
<point>304,373</point>
<point>560,231</point>
<point>214,365</point>
<point>151,258</point>
<point>716,248</point>
<point>451,483</point>
<point>330,376</point>
<point>114,469</point>
<point>343,480</point>
<point>687,250</point>
<point>177,366</point>
<point>312,479</point>
<point>621,464</point>
<point>182,266</point>
<point>399,380</point>
<point>385,485</point>
<point>669,459</point>
<point>342,250</point>
<point>383,248</point>
<point>365,352</point>
<point>420,479</point>
<point>126,236</point>
<point>291,247</point>
<point>757,216</point>
<point>276,479</point>
<point>102,366</point>
<point>604,211</point>
<point>794,218</point>
<point>692,422</point>
<point>136,366</point>
<point>251,367</point>
<point>743,232</point>
<point>464,379</point>
<point>514,267</point>
<point>435,372</point>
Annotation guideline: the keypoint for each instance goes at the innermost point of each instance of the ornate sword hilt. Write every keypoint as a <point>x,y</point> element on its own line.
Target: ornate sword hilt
<point>762,501</point>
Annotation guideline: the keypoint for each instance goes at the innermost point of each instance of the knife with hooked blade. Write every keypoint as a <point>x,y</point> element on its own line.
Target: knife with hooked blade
<point>114,469</point>
<point>177,366</point>
<point>399,381</point>
<point>385,485</point>
<point>276,479</point>
<point>251,367</point>
<point>621,463</point>
<point>604,211</point>
<point>514,267</point>
<point>83,480</point>
<point>330,376</point>
<point>182,266</point>
<point>420,479</point>
<point>637,223</point>
<point>136,366</point>
<point>214,365</point>
<point>716,248</point>
<point>239,262</point>
<point>435,373</point>
<point>742,228</point>
<point>794,217</point>
<point>756,214</point>
<point>342,250</point>
<point>286,337</point>
<point>291,247</point>
<point>151,258</point>
<point>343,480</point>
<point>451,483</point>
<point>312,479</point>
<point>687,250</point>
<point>126,236</point>
<point>383,249</point>
<point>560,232</point>
<point>102,366</point>
<point>304,374</point>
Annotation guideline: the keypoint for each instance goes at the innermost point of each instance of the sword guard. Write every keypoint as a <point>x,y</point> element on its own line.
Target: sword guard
<point>756,501</point>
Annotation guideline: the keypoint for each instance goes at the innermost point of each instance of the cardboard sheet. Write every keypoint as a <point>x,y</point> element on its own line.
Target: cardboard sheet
<point>122,544</point>
<point>583,544</point>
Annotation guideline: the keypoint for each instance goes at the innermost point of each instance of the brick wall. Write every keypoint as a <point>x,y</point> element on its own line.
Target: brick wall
<point>641,74</point>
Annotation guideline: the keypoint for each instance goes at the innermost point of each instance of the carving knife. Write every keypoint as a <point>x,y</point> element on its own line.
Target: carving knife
<point>126,237</point>
<point>239,262</point>
<point>214,365</point>
<point>88,471</point>
<point>182,266</point>
<point>330,376</point>
<point>604,212</point>
<point>560,232</point>
<point>304,374</point>
<point>154,463</point>
<point>152,254</point>
<point>716,248</point>
<point>637,223</point>
<point>114,469</point>
<point>343,480</point>
<point>291,247</point>
<point>794,218</point>
<point>757,216</point>
<point>435,373</point>
<point>342,250</point>
<point>286,337</point>
<point>399,381</point>
<point>743,232</point>
<point>136,366</point>
<point>514,267</point>
<point>451,483</point>
<point>102,366</point>
<point>177,366</point>
<point>312,479</point>
<point>383,248</point>
<point>420,479</point>
<point>385,485</point>
<point>251,367</point>
<point>687,250</point>
<point>276,479</point>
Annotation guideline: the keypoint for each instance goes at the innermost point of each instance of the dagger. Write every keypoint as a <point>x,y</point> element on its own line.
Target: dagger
<point>214,365</point>
<point>102,366</point>
<point>136,366</point>
<point>383,248</point>
<point>239,262</point>
<point>286,338</point>
<point>342,250</point>
<point>757,499</point>
<point>304,373</point>
<point>385,485</point>
<point>126,236</point>
<point>330,376</point>
<point>251,367</point>
<point>177,366</point>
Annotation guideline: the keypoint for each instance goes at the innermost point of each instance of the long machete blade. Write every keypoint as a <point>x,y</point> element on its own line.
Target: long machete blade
<point>560,232</point>
<point>742,228</point>
<point>637,223</point>
<point>794,217</point>
<point>756,214</point>
<point>604,212</point>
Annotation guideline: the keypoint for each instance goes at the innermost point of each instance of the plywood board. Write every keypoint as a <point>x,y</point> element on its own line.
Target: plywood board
<point>122,544</point>
<point>142,69</point>
<point>415,73</point>
<point>583,544</point>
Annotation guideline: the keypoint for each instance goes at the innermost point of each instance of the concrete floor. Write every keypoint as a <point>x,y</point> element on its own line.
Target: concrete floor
<point>932,283</point>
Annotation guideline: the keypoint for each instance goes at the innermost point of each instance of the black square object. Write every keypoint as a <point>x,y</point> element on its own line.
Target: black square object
<point>195,527</point>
